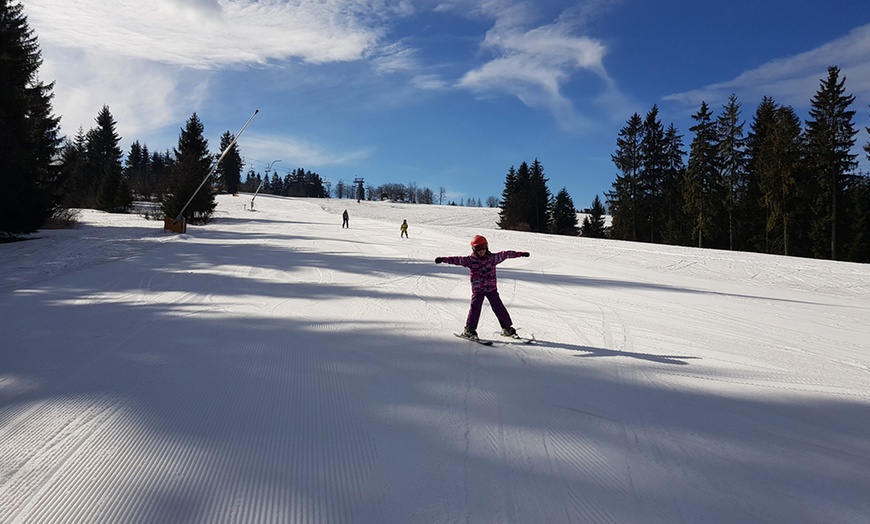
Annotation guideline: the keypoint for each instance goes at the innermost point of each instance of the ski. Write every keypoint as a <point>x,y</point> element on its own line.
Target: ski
<point>516,339</point>
<point>478,340</point>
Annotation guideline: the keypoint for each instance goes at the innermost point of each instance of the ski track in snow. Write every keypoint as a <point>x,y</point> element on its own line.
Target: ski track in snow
<point>273,367</point>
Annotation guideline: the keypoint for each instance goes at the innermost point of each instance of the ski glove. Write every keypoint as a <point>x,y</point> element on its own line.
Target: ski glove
<point>438,260</point>
<point>524,254</point>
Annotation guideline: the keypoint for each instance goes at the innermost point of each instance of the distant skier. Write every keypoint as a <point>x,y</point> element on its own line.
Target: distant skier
<point>345,220</point>
<point>404,228</point>
<point>481,265</point>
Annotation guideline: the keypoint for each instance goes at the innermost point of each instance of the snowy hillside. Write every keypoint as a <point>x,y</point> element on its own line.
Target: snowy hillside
<point>274,367</point>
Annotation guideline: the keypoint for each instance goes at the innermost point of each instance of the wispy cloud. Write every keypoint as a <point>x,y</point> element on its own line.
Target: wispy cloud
<point>298,152</point>
<point>430,83</point>
<point>794,80</point>
<point>151,62</point>
<point>212,34</point>
<point>533,63</point>
<point>395,57</point>
<point>142,96</point>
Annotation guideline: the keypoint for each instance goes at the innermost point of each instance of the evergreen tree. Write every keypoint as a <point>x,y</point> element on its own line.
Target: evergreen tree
<point>104,160</point>
<point>675,229</point>
<point>867,145</point>
<point>512,214</point>
<point>139,171</point>
<point>74,170</point>
<point>251,181</point>
<point>229,171</point>
<point>778,164</point>
<point>654,164</point>
<point>161,164</point>
<point>858,208</point>
<point>732,161</point>
<point>539,202</point>
<point>29,133</point>
<point>703,188</point>
<point>593,223</point>
<point>755,213</point>
<point>276,187</point>
<point>192,164</point>
<point>563,220</point>
<point>135,165</point>
<point>860,249</point>
<point>624,200</point>
<point>830,137</point>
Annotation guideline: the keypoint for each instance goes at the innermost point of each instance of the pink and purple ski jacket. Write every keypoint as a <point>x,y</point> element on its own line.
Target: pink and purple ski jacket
<point>482,269</point>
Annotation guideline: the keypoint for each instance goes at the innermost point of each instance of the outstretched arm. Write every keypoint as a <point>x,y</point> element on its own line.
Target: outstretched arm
<point>501,256</point>
<point>455,261</point>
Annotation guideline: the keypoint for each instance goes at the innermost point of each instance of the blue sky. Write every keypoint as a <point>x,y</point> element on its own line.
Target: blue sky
<point>438,93</point>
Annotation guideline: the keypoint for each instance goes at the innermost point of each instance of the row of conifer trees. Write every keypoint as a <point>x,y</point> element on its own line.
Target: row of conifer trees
<point>776,187</point>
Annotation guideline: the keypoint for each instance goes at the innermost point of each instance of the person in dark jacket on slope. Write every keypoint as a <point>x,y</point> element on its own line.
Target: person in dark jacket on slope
<point>481,265</point>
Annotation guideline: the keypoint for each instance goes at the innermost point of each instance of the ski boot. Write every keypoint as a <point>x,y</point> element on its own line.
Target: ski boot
<point>470,333</point>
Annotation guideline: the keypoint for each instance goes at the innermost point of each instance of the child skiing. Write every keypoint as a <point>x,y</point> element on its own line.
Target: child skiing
<point>481,265</point>
<point>404,229</point>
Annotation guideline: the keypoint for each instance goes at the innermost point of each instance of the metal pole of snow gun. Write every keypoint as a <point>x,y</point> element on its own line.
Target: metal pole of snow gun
<point>215,166</point>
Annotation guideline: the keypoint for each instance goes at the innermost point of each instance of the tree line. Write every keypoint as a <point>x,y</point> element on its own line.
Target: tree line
<point>528,205</point>
<point>777,187</point>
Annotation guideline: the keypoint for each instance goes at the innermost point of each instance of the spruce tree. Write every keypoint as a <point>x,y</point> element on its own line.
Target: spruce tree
<point>229,171</point>
<point>654,164</point>
<point>732,161</point>
<point>29,133</point>
<point>161,164</point>
<point>867,145</point>
<point>858,209</point>
<point>74,170</point>
<point>563,220</point>
<point>191,165</point>
<point>779,166</point>
<point>624,200</point>
<point>593,223</point>
<point>538,201</point>
<point>830,137</point>
<point>512,214</point>
<point>702,187</point>
<point>139,170</point>
<point>753,210</point>
<point>104,162</point>
<point>674,229</point>
<point>860,249</point>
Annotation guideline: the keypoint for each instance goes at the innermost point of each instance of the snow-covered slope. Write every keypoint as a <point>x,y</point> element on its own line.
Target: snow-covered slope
<point>274,367</point>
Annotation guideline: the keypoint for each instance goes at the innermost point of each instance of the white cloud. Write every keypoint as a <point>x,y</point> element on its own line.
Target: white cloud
<point>794,80</point>
<point>394,58</point>
<point>297,152</point>
<point>141,95</point>
<point>215,33</point>
<point>533,64</point>
<point>429,82</point>
<point>151,62</point>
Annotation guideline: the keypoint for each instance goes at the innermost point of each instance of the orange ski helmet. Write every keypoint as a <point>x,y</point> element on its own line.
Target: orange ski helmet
<point>478,241</point>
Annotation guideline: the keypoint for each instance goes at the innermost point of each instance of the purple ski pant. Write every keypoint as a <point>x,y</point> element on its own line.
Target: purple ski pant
<point>501,312</point>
